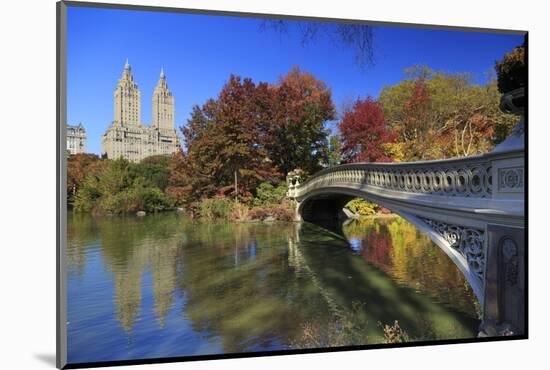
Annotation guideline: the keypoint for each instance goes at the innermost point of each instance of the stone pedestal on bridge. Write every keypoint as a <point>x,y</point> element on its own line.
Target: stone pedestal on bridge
<point>504,310</point>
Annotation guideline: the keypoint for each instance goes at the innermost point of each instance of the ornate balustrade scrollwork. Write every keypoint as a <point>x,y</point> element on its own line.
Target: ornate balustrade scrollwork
<point>467,241</point>
<point>467,177</point>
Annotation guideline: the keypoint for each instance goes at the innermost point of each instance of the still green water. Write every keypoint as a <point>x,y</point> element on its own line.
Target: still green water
<point>165,285</point>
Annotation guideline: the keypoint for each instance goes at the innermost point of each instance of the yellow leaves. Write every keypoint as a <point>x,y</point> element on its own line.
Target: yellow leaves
<point>362,207</point>
<point>455,118</point>
<point>394,151</point>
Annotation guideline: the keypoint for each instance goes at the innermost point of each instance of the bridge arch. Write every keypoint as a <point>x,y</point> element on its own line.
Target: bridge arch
<point>323,205</point>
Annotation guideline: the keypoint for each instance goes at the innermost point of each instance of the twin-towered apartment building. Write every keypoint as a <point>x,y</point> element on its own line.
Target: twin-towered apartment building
<point>127,137</point>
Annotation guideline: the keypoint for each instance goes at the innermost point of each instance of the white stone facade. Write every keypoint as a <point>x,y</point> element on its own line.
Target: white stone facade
<point>76,139</point>
<point>126,137</point>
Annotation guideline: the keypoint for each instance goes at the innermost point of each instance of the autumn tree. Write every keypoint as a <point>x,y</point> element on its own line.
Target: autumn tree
<point>364,133</point>
<point>180,184</point>
<point>224,140</point>
<point>416,125</point>
<point>478,124</point>
<point>240,116</point>
<point>439,115</point>
<point>78,167</point>
<point>296,135</point>
<point>253,133</point>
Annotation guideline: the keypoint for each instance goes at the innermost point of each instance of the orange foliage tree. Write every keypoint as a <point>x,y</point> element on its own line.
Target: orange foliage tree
<point>296,135</point>
<point>78,167</point>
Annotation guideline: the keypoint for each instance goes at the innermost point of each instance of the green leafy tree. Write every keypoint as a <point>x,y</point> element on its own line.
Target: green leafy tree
<point>334,151</point>
<point>267,194</point>
<point>155,169</point>
<point>117,187</point>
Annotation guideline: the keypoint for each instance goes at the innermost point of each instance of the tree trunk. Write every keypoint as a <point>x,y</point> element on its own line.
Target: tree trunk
<point>236,188</point>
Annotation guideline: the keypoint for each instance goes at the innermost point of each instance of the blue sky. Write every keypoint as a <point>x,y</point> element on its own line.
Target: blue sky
<point>199,52</point>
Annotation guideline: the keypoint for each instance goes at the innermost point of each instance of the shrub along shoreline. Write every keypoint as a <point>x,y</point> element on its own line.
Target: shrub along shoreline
<point>119,187</point>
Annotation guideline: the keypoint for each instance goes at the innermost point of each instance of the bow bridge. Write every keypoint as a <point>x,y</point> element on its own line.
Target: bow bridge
<point>472,208</point>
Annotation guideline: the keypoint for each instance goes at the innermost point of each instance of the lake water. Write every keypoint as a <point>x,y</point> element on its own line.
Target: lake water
<point>165,285</point>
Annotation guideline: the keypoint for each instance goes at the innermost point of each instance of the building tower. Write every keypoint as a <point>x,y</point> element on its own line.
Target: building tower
<point>127,99</point>
<point>127,137</point>
<point>163,105</point>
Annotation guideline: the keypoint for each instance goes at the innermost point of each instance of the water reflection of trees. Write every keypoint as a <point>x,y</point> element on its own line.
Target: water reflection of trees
<point>243,290</point>
<point>81,234</point>
<point>398,248</point>
<point>349,280</point>
<point>238,285</point>
<point>253,286</point>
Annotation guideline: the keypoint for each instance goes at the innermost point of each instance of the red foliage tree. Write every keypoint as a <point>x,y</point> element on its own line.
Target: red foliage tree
<point>224,140</point>
<point>364,132</point>
<point>416,111</point>
<point>179,184</point>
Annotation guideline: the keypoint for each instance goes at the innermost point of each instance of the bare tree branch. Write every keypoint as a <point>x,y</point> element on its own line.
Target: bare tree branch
<point>359,37</point>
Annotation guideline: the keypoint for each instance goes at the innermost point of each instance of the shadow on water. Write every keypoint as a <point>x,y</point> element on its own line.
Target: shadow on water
<point>334,226</point>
